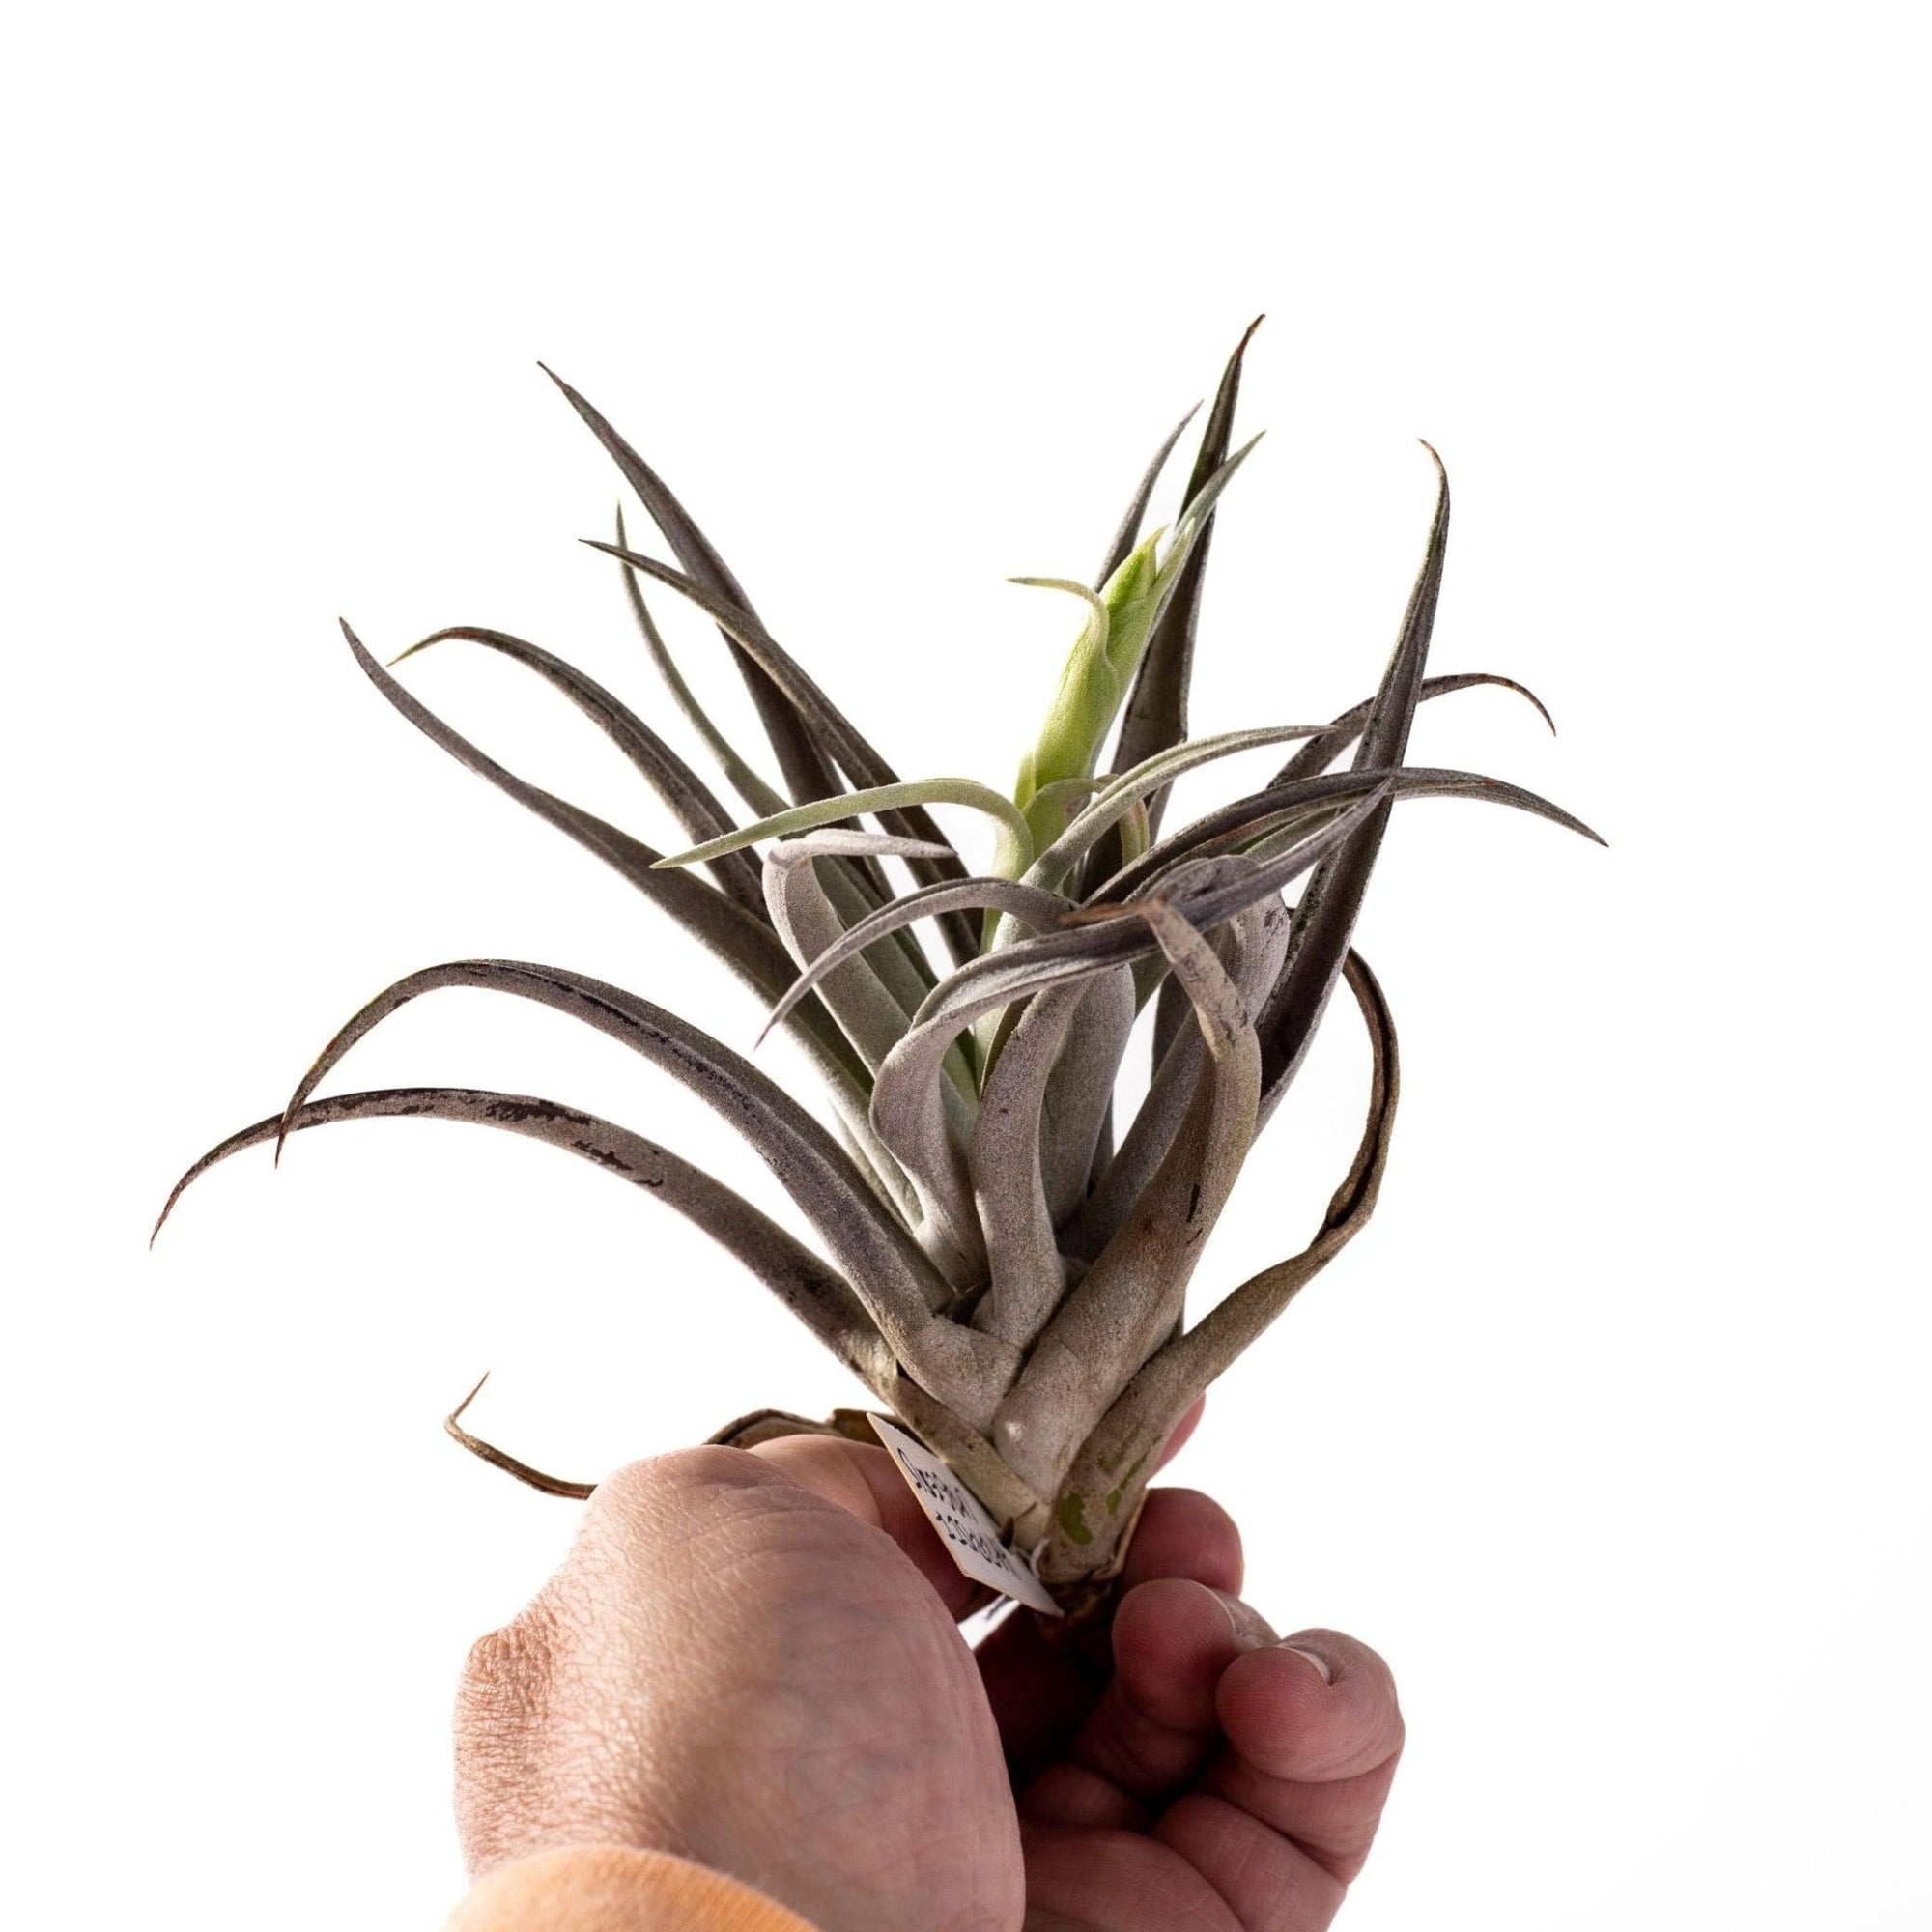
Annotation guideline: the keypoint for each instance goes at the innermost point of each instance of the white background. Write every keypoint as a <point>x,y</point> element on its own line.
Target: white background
<point>1611,1430</point>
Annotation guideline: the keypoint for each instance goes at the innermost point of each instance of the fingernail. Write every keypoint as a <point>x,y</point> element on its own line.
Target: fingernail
<point>1319,1662</point>
<point>1251,1632</point>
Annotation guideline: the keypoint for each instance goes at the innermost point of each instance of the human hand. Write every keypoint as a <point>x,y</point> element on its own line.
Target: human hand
<point>751,1658</point>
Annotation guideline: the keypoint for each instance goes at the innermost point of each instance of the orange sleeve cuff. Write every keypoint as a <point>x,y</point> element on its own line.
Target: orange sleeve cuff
<point>613,1889</point>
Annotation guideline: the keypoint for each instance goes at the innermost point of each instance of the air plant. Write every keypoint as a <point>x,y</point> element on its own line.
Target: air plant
<point>1001,1272</point>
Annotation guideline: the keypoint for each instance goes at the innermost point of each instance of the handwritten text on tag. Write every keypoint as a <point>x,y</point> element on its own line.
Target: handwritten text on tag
<point>969,1533</point>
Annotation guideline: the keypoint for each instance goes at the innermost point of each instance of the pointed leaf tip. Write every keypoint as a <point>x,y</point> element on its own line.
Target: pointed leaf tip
<point>455,1414</point>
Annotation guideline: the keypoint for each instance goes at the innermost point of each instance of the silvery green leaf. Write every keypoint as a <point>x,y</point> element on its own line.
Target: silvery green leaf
<point>908,1112</point>
<point>1027,904</point>
<point>865,1005</point>
<point>1083,705</point>
<point>1014,849</point>
<point>1128,1303</point>
<point>1080,1089</point>
<point>1101,1491</point>
<point>902,966</point>
<point>1025,1274</point>
<point>1101,665</point>
<point>1253,945</point>
<point>849,884</point>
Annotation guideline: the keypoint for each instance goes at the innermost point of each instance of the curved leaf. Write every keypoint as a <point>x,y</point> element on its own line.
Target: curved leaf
<point>1118,796</point>
<point>1079,1095</point>
<point>860,764</point>
<point>1156,716</point>
<point>745,944</point>
<point>902,966</point>
<point>1319,752</point>
<point>908,1113</point>
<point>1127,535</point>
<point>1026,903</point>
<point>691,802</point>
<point>501,1459</point>
<point>789,731</point>
<point>1253,945</point>
<point>890,1276</point>
<point>756,793</point>
<point>1205,892</point>
<point>1025,1274</point>
<point>1012,854</point>
<point>1260,812</point>
<point>862,1001</point>
<point>1325,914</point>
<point>1095,679</point>
<point>1128,1303</point>
<point>818,1296</point>
<point>1112,1468</point>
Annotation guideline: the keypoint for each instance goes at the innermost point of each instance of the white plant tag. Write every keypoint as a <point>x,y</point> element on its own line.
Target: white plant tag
<point>970,1535</point>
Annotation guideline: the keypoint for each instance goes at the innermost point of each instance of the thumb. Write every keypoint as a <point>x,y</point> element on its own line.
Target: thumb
<point>865,1482</point>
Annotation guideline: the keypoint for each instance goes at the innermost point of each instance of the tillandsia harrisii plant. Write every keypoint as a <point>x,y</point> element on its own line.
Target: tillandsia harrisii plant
<point>1002,1270</point>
